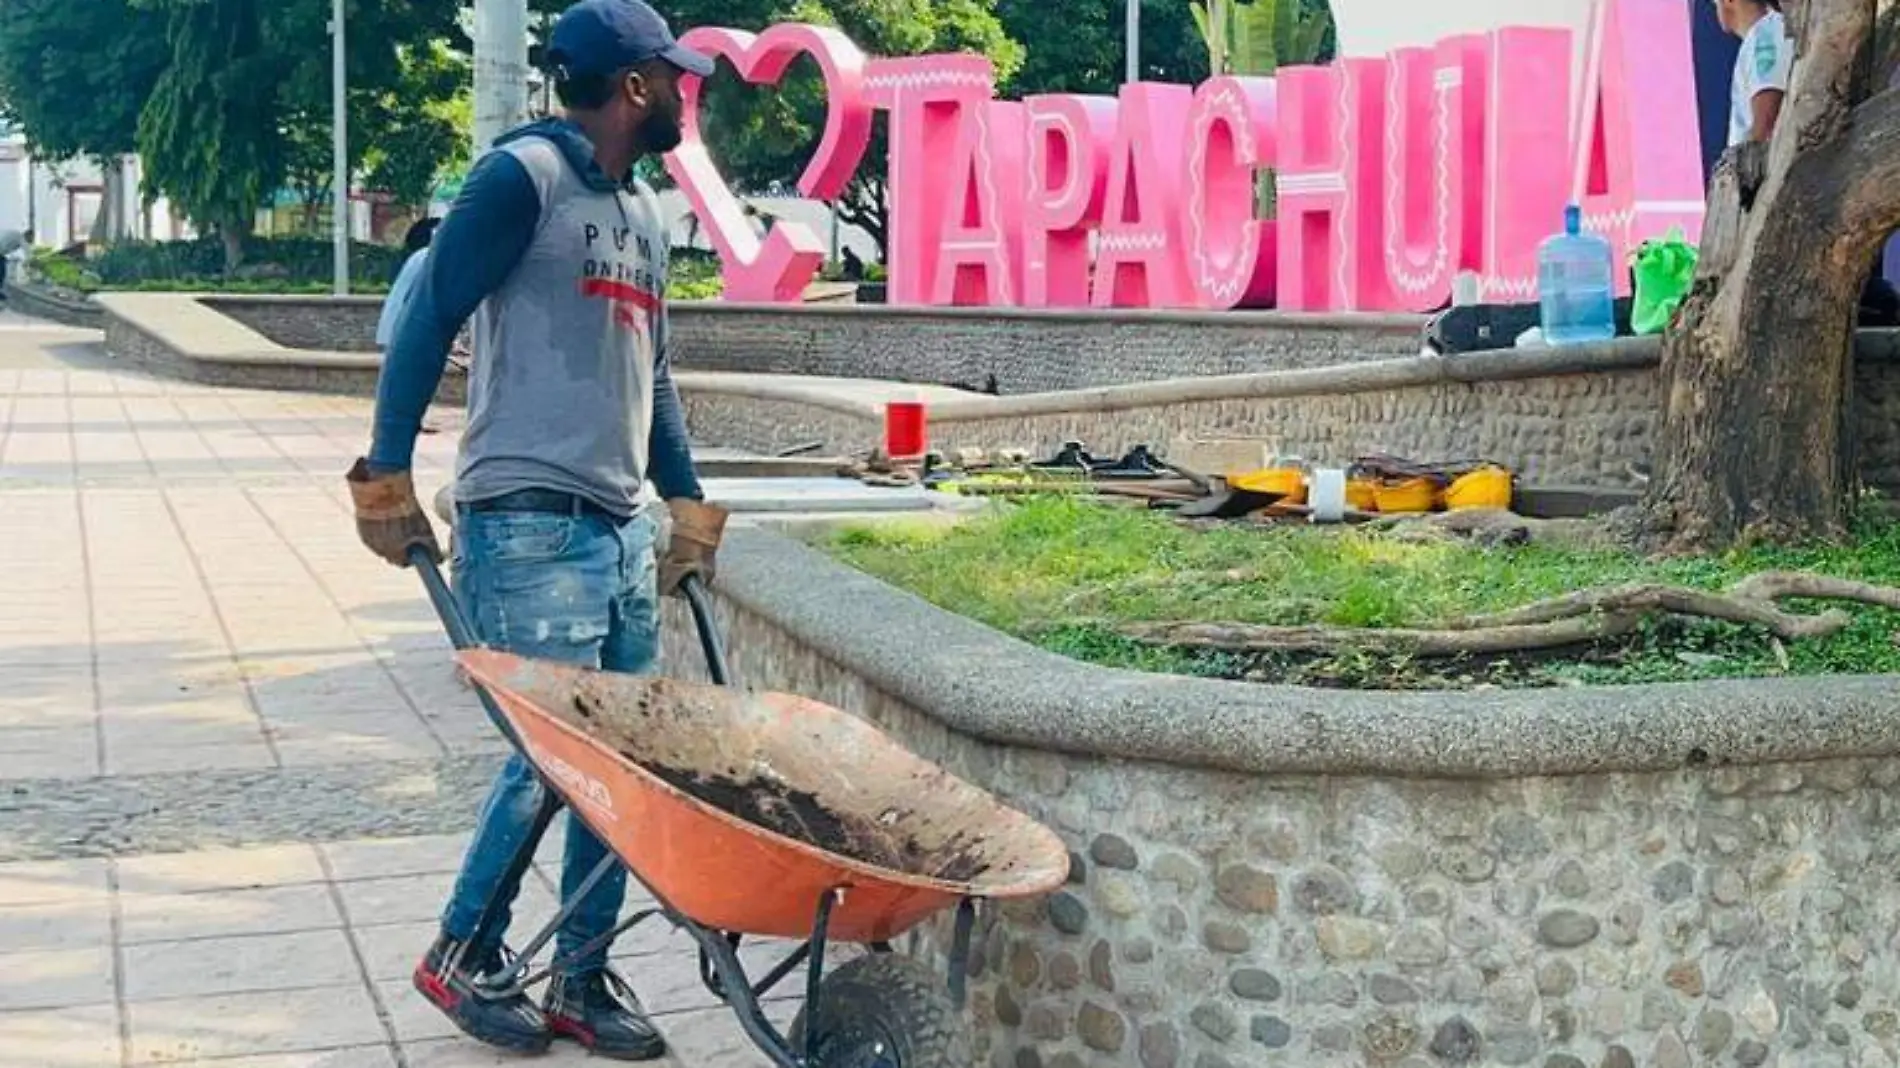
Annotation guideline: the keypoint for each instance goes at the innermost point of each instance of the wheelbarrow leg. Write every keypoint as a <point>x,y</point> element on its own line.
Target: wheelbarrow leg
<point>815,973</point>
<point>514,973</point>
<point>960,951</point>
<point>746,1007</point>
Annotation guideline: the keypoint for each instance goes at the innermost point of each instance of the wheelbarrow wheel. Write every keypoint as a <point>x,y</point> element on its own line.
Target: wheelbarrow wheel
<point>884,1011</point>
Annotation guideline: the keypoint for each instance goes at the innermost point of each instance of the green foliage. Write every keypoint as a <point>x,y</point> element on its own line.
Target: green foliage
<point>1077,46</point>
<point>693,277</point>
<point>403,79</point>
<point>61,272</point>
<point>1258,37</point>
<point>229,100</point>
<point>209,135</point>
<point>762,136</point>
<point>1063,572</point>
<point>273,265</point>
<point>75,75</point>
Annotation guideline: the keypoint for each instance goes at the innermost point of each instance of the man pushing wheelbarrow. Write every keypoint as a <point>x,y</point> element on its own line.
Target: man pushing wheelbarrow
<point>742,815</point>
<point>560,254</point>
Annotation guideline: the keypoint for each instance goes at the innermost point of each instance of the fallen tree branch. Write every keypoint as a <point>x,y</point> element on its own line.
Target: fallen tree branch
<point>1780,585</point>
<point>1573,619</point>
<point>1319,638</point>
<point>1647,600</point>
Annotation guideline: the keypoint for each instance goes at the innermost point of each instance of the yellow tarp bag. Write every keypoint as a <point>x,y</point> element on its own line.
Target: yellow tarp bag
<point>1487,487</point>
<point>1410,495</point>
<point>1289,483</point>
<point>1362,494</point>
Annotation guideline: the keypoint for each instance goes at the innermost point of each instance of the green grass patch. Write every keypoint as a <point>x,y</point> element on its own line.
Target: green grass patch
<point>1063,572</point>
<point>279,265</point>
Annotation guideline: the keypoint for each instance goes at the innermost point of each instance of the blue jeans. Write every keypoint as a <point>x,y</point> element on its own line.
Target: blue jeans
<point>580,589</point>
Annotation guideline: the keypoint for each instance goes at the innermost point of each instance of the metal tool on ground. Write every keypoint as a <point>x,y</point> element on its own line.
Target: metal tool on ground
<point>762,815</point>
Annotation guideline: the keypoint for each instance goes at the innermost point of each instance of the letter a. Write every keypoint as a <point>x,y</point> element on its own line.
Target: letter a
<point>1139,263</point>
<point>979,260</point>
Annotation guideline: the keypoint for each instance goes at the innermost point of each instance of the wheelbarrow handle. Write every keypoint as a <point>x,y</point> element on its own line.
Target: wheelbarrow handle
<point>454,620</point>
<point>693,589</point>
<point>461,634</point>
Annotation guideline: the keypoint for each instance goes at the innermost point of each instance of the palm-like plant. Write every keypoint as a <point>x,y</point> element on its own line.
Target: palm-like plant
<point>1255,38</point>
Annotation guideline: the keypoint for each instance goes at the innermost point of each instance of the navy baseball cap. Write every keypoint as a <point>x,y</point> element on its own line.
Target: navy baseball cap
<point>603,36</point>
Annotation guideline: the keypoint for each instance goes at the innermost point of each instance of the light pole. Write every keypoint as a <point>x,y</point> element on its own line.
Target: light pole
<point>501,68</point>
<point>1134,40</point>
<point>340,147</point>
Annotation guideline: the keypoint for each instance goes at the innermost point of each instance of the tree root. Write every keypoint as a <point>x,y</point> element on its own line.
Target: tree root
<point>1573,619</point>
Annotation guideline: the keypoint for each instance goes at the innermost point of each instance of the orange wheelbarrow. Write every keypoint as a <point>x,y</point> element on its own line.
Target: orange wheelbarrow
<point>762,815</point>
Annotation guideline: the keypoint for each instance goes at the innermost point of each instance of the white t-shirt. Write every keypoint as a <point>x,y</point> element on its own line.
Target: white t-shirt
<point>398,298</point>
<point>1763,63</point>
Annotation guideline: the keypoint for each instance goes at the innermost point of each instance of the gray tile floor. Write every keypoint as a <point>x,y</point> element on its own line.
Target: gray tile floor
<point>195,651</point>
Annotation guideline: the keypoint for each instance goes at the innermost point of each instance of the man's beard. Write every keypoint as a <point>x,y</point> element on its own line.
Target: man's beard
<point>658,133</point>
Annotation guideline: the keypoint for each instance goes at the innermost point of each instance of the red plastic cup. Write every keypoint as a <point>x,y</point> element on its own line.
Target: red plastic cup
<point>904,429</point>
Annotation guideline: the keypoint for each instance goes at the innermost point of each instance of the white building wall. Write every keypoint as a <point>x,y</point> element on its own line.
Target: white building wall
<point>58,202</point>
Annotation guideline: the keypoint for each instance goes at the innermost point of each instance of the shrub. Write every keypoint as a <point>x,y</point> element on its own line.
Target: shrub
<point>292,261</point>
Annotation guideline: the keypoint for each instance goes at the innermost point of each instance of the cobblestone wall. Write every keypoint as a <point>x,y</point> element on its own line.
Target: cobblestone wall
<point>1731,916</point>
<point>324,323</point>
<point>44,304</point>
<point>1026,353</point>
<point>1582,429</point>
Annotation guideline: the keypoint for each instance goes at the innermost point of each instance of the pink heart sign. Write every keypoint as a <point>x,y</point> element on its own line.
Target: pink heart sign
<point>779,266</point>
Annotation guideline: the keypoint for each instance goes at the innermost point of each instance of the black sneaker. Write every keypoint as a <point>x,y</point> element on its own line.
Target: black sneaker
<point>586,1009</point>
<point>511,1023</point>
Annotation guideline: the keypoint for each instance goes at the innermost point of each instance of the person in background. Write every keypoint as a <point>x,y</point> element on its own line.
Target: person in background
<point>1761,67</point>
<point>415,245</point>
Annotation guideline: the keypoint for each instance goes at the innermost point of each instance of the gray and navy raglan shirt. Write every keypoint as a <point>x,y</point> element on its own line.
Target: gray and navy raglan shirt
<point>564,270</point>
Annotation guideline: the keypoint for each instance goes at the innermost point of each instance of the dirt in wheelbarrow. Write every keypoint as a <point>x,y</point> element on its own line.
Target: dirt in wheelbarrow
<point>799,815</point>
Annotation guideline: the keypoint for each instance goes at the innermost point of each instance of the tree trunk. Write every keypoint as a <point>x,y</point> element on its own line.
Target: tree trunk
<point>232,233</point>
<point>865,207</point>
<point>1757,439</point>
<point>105,225</point>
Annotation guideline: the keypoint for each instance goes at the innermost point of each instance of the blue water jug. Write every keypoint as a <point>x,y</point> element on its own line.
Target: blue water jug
<point>1576,286</point>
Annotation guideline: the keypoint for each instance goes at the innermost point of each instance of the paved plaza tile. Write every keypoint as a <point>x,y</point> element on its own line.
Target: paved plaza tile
<point>236,766</point>
<point>287,954</point>
<point>237,770</point>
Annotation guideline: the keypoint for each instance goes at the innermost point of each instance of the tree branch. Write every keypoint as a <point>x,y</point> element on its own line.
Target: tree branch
<point>1647,600</point>
<point>1573,619</point>
<point>1833,51</point>
<point>1247,638</point>
<point>1886,44</point>
<point>1779,585</point>
<point>1869,162</point>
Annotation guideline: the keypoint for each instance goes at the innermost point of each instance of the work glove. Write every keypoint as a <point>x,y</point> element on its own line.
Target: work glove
<point>389,519</point>
<point>692,545</point>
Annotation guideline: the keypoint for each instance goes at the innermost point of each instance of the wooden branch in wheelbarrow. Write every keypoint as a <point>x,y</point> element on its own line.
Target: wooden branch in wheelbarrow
<point>1573,619</point>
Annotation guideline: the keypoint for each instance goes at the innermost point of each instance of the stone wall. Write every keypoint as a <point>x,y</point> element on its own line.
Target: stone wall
<point>1028,352</point>
<point>179,337</point>
<point>336,324</point>
<point>1700,915</point>
<point>46,304</point>
<point>1024,351</point>
<point>1583,419</point>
